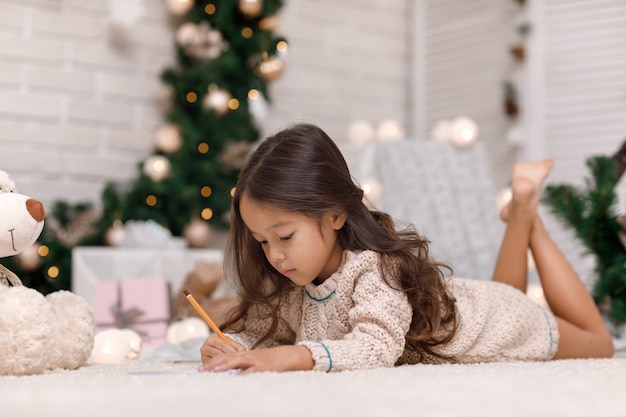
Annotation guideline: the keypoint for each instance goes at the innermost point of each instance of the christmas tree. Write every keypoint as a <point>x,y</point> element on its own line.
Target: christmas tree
<point>591,212</point>
<point>226,53</point>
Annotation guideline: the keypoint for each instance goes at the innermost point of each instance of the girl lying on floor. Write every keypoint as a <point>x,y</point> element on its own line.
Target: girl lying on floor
<point>330,285</point>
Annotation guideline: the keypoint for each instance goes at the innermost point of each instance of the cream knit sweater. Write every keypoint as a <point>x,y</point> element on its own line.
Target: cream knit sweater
<point>354,320</point>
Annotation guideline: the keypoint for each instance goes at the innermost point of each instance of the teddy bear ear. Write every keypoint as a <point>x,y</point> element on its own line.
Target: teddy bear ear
<point>6,183</point>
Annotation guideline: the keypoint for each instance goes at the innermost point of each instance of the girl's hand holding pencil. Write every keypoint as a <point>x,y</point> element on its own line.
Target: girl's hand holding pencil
<point>220,354</point>
<point>223,344</point>
<point>207,319</point>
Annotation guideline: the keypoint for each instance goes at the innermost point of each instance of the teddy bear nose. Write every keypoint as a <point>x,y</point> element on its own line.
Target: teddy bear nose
<point>35,208</point>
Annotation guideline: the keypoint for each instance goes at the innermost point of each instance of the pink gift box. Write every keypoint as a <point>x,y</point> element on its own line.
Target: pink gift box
<point>140,304</point>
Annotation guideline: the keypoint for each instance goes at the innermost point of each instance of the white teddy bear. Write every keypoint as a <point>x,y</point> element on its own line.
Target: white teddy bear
<point>37,333</point>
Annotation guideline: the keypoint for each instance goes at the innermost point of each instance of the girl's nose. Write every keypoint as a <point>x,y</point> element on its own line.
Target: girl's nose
<point>277,256</point>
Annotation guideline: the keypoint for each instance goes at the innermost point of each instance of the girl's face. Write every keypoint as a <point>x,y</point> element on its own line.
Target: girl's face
<point>297,246</point>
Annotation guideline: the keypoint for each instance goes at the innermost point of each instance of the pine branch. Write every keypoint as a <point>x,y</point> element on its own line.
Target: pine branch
<point>568,204</point>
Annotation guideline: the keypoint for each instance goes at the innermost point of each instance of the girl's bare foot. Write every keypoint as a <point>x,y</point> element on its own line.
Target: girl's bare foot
<point>526,186</point>
<point>537,172</point>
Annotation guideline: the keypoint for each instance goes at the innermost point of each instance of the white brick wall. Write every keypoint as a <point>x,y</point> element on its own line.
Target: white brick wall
<point>78,95</point>
<point>347,60</point>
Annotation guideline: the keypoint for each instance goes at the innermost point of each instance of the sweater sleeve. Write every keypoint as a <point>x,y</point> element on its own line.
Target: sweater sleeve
<point>258,321</point>
<point>379,318</point>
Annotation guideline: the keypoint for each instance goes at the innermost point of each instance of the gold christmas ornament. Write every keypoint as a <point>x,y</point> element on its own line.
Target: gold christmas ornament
<point>251,8</point>
<point>168,138</point>
<point>115,235</point>
<point>186,34</point>
<point>157,167</point>
<point>271,68</point>
<point>197,233</point>
<point>179,7</point>
<point>217,99</point>
<point>201,41</point>
<point>269,23</point>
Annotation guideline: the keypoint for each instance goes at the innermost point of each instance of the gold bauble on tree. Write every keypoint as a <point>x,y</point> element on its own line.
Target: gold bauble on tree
<point>187,34</point>
<point>251,8</point>
<point>217,99</point>
<point>179,7</point>
<point>201,41</point>
<point>197,233</point>
<point>269,23</point>
<point>157,167</point>
<point>271,68</point>
<point>168,139</point>
<point>115,235</point>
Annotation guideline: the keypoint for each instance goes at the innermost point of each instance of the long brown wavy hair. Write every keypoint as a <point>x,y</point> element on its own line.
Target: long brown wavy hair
<point>301,170</point>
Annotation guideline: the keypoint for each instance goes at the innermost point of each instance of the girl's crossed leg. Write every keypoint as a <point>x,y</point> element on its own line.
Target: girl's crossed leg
<point>583,333</point>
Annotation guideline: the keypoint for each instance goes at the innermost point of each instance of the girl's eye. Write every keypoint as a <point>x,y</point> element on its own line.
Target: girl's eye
<point>286,237</point>
<point>263,242</point>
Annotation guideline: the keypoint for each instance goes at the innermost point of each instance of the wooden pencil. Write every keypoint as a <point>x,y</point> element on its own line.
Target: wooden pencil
<point>206,317</point>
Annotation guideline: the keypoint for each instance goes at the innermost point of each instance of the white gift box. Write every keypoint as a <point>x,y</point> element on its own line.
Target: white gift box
<point>91,264</point>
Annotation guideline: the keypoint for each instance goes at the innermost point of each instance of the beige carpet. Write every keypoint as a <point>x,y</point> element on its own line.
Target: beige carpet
<point>590,388</point>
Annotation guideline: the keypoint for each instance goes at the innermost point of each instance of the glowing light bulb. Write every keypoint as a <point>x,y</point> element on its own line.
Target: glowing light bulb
<point>464,132</point>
